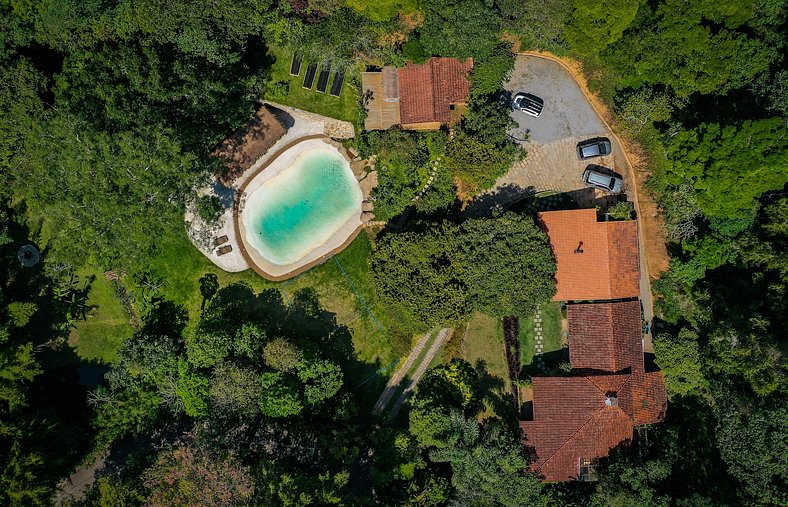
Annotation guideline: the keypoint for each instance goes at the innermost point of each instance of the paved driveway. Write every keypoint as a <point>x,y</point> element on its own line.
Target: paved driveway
<point>552,164</point>
<point>567,118</point>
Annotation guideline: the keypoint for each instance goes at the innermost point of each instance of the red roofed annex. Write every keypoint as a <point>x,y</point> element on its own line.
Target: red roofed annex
<point>417,96</point>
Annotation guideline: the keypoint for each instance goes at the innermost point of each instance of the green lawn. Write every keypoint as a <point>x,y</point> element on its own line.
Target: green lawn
<point>551,332</point>
<point>484,342</point>
<point>99,337</point>
<point>345,107</point>
<point>379,334</point>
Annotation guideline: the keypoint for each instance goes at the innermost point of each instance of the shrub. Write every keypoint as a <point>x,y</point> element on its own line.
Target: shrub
<point>278,91</point>
<point>20,313</point>
<point>621,210</point>
<point>415,52</point>
<point>209,208</point>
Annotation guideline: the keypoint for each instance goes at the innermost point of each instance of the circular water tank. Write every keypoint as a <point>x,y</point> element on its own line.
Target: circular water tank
<point>28,255</point>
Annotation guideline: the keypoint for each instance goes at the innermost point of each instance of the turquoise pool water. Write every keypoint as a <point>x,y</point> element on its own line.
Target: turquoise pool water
<point>302,207</point>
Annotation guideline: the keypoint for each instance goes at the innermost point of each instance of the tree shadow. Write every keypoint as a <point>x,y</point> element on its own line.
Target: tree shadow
<point>500,198</point>
<point>551,360</point>
<point>493,390</point>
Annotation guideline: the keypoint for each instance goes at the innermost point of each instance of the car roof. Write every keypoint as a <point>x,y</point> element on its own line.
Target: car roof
<point>599,177</point>
<point>590,148</point>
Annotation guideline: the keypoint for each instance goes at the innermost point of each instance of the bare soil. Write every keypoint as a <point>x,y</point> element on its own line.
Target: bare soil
<point>247,145</point>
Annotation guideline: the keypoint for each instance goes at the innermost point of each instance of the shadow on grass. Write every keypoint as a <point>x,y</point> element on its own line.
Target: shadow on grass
<point>552,362</point>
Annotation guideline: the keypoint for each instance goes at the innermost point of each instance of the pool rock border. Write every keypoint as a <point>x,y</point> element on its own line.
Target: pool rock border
<point>249,253</point>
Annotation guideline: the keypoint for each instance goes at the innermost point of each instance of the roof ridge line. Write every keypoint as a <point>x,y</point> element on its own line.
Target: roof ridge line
<point>571,437</point>
<point>578,428</point>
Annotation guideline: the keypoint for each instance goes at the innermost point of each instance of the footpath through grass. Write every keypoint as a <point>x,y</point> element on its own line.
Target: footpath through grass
<point>551,332</point>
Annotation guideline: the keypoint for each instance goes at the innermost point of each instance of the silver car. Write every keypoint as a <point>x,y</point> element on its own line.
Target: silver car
<point>591,148</point>
<point>528,103</point>
<point>593,176</point>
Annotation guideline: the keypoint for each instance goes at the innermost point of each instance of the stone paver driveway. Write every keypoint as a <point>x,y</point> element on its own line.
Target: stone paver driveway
<point>567,118</point>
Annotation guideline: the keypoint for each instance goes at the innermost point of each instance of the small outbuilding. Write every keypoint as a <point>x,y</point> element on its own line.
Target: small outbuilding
<point>418,96</point>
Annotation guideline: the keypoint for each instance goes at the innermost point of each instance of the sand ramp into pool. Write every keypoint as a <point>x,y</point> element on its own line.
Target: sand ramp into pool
<point>341,235</point>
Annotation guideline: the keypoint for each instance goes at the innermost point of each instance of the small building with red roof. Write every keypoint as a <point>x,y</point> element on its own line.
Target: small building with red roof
<point>594,260</point>
<point>417,96</point>
<point>605,337</point>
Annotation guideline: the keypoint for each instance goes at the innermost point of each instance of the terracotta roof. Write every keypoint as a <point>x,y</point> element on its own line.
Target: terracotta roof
<point>606,336</point>
<point>645,397</point>
<point>574,419</point>
<point>427,90</point>
<point>595,260</point>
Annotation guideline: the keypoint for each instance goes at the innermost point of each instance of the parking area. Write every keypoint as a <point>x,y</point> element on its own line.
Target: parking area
<point>551,139</point>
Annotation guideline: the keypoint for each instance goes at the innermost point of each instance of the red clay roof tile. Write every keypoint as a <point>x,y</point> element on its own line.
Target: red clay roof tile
<point>595,260</point>
<point>576,419</point>
<point>428,90</point>
<point>606,336</point>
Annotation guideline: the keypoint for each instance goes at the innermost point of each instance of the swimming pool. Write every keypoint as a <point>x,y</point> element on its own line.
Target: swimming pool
<point>305,204</point>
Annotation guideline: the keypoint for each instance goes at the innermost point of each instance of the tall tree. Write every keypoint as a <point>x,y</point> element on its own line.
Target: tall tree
<point>596,25</point>
<point>460,28</point>
<point>487,466</point>
<point>730,167</point>
<point>509,267</point>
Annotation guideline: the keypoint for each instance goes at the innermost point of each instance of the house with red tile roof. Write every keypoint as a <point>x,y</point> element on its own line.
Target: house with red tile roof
<point>417,96</point>
<point>578,420</point>
<point>594,260</point>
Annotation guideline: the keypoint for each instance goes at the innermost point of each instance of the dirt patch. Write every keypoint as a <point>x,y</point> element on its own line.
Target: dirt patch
<point>247,145</point>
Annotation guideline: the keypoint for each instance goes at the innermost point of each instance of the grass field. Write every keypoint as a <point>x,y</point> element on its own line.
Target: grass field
<point>98,338</point>
<point>344,107</point>
<point>551,332</point>
<point>484,342</point>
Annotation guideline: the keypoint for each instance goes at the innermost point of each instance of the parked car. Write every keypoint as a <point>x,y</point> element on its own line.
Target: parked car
<point>596,147</point>
<point>528,103</point>
<point>598,177</point>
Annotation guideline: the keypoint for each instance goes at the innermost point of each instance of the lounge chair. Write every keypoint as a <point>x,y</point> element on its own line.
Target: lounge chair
<point>221,240</point>
<point>224,250</point>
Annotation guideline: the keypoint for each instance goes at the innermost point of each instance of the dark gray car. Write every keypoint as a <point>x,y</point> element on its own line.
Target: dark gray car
<point>596,147</point>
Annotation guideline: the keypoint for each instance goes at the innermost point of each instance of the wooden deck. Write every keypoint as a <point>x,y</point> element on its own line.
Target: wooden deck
<point>381,99</point>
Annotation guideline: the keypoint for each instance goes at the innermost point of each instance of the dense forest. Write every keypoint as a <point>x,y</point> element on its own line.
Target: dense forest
<point>219,389</point>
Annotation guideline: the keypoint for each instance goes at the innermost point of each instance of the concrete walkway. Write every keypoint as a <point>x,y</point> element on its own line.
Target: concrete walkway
<point>443,334</point>
<point>395,379</point>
